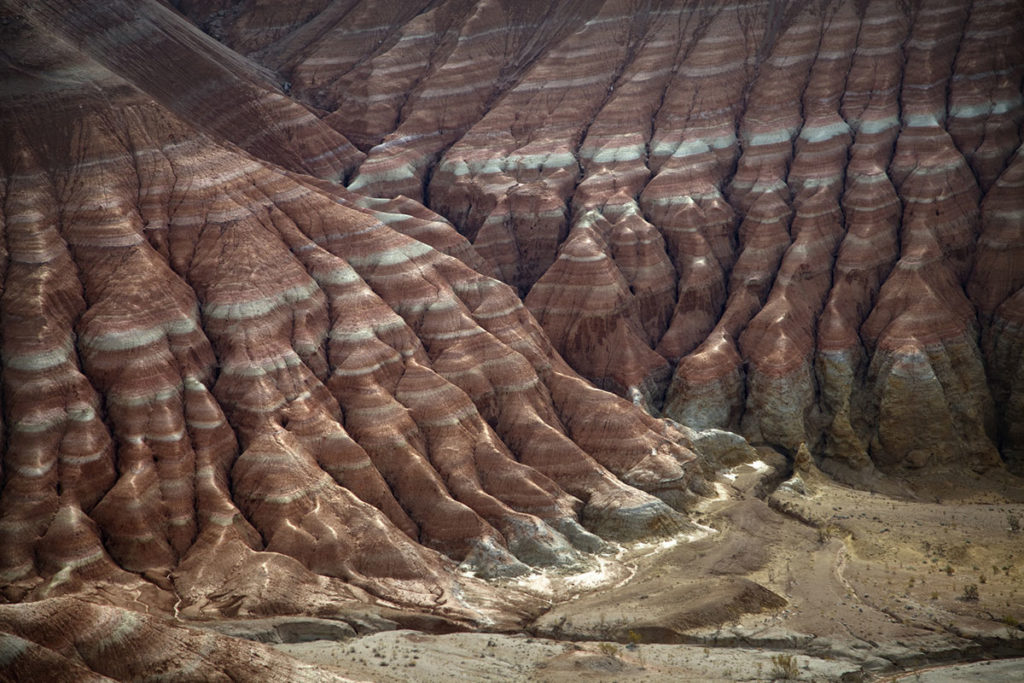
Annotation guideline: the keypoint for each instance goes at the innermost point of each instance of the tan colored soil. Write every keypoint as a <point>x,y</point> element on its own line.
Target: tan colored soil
<point>815,581</point>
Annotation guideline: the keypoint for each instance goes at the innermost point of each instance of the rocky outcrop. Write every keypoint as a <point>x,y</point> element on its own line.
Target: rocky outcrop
<point>153,48</point>
<point>996,286</point>
<point>65,639</point>
<point>747,216</point>
<point>233,389</point>
<point>234,386</point>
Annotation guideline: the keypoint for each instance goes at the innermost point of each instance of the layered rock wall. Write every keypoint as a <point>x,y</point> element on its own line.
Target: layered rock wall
<point>230,388</point>
<point>771,217</point>
<point>232,385</point>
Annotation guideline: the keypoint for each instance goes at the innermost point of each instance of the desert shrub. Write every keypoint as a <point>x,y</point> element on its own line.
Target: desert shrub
<point>785,667</point>
<point>635,638</point>
<point>970,592</point>
<point>1013,520</point>
<point>610,649</point>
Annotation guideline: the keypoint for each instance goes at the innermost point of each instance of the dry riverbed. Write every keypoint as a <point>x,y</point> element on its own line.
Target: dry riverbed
<point>805,580</point>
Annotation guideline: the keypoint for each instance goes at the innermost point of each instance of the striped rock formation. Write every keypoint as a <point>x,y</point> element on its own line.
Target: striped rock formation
<point>65,639</point>
<point>231,388</point>
<point>319,304</point>
<point>729,212</point>
<point>197,78</point>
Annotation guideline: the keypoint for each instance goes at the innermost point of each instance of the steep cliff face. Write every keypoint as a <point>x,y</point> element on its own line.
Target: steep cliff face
<point>778,218</point>
<point>327,311</point>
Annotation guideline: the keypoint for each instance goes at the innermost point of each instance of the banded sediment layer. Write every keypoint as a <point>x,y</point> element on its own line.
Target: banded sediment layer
<point>329,303</point>
<point>232,386</point>
<point>792,220</point>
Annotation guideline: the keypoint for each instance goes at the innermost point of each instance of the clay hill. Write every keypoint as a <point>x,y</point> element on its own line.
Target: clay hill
<point>339,307</point>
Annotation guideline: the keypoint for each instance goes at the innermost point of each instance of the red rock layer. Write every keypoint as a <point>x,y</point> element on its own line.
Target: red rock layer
<point>614,267</point>
<point>872,212</point>
<point>997,288</point>
<point>510,177</point>
<point>233,389</point>
<point>985,106</point>
<point>758,189</point>
<point>692,143</point>
<point>153,48</point>
<point>497,43</point>
<point>779,342</point>
<point>736,194</point>
<point>923,325</point>
<point>231,386</point>
<point>607,341</point>
<point>65,639</point>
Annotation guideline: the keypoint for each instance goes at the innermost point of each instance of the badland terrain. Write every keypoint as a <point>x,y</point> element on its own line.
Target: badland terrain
<point>502,340</point>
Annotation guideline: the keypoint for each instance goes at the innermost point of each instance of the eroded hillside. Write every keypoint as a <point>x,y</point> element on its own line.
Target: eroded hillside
<point>335,304</point>
<point>797,220</point>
